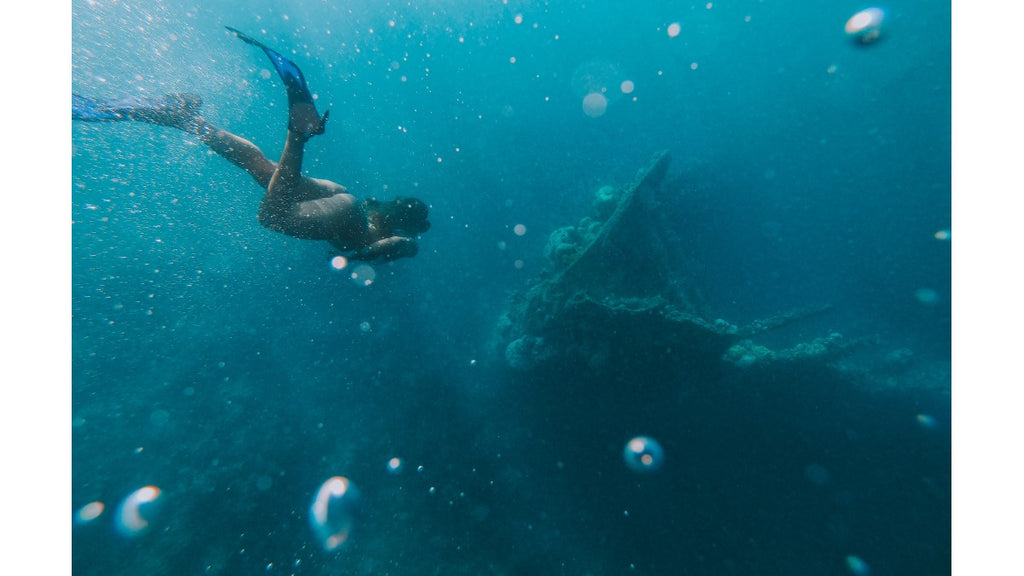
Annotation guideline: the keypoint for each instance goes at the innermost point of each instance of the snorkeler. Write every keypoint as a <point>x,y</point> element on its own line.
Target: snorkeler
<point>296,205</point>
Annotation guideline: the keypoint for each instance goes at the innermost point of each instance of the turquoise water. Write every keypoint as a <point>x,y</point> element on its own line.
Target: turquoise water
<point>236,370</point>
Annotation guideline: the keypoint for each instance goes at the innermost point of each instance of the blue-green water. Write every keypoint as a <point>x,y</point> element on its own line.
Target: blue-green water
<point>235,369</point>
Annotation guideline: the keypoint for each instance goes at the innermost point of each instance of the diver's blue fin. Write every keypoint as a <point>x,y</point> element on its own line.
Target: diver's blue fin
<point>293,79</point>
<point>303,117</point>
<point>93,110</point>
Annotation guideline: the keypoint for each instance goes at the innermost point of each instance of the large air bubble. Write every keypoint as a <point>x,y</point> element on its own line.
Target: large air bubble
<point>334,512</point>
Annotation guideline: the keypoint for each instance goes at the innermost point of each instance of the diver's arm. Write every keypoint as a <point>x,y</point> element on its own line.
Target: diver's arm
<point>387,249</point>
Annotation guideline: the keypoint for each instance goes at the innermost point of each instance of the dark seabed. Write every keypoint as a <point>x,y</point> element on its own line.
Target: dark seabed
<point>236,370</point>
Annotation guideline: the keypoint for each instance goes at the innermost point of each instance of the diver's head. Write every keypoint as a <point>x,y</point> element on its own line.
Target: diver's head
<point>405,214</point>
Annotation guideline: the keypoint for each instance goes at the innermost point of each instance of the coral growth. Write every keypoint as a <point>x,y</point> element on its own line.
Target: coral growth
<point>745,353</point>
<point>567,243</point>
<point>527,352</point>
<point>564,247</point>
<point>606,199</point>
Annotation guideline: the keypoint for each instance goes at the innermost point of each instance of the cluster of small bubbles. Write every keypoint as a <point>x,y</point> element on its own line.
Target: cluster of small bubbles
<point>333,512</point>
<point>643,454</point>
<point>926,296</point>
<point>363,275</point>
<point>89,512</point>
<point>395,465</point>
<point>137,511</point>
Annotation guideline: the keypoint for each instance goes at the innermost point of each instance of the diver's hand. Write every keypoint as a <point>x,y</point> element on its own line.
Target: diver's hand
<point>388,249</point>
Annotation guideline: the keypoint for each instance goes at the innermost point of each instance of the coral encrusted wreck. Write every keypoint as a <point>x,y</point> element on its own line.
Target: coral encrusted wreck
<point>617,290</point>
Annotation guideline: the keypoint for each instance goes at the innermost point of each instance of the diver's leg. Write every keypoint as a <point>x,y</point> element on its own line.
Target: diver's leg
<point>287,188</point>
<point>179,111</point>
<point>287,176</point>
<point>303,123</point>
<point>173,110</point>
<point>238,151</point>
<point>283,191</point>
